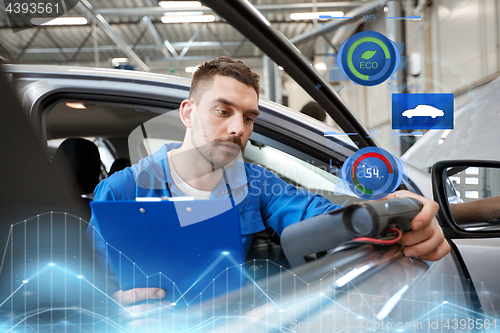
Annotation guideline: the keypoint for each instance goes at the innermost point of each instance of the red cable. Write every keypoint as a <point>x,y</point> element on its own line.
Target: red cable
<point>380,241</point>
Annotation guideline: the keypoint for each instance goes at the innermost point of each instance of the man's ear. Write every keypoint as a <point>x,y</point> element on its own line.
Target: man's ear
<point>187,112</point>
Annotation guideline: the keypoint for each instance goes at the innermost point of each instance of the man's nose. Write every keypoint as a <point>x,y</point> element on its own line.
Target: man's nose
<point>237,126</point>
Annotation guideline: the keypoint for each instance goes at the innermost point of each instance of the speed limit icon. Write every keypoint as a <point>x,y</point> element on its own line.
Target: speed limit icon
<point>372,173</point>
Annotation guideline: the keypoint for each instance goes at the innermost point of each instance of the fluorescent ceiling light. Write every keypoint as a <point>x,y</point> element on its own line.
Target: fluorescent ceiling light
<point>188,19</point>
<point>179,4</point>
<point>117,61</point>
<point>59,21</point>
<point>316,16</point>
<point>320,66</point>
<point>80,106</point>
<point>191,69</point>
<point>182,13</point>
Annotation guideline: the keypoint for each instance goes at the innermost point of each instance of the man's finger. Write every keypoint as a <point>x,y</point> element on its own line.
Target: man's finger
<point>426,246</point>
<point>415,237</point>
<point>138,294</point>
<point>426,215</point>
<point>438,253</point>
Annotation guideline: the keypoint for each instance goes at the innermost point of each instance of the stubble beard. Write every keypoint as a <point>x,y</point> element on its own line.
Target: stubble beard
<point>212,152</point>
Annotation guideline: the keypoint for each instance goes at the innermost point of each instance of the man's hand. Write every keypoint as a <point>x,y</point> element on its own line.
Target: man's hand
<point>426,240</point>
<point>140,294</point>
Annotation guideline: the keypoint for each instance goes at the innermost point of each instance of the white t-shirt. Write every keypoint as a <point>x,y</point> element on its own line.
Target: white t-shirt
<point>187,189</point>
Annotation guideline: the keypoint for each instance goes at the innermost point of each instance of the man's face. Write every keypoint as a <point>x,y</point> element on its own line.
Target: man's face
<point>224,120</point>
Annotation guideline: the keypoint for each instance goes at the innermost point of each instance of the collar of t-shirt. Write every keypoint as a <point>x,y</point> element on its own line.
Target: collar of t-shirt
<point>187,189</point>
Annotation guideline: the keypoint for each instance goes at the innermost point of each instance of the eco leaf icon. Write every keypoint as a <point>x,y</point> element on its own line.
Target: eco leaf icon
<point>368,54</point>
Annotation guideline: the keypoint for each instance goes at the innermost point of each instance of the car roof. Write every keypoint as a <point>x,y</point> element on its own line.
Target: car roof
<point>77,71</point>
<point>62,76</point>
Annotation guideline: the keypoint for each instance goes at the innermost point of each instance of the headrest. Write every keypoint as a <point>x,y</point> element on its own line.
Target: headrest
<point>118,165</point>
<point>83,160</point>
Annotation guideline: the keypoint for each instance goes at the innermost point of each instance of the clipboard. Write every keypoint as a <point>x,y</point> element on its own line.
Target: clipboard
<point>171,245</point>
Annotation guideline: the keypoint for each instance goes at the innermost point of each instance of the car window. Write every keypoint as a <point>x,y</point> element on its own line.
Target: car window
<point>300,172</point>
<point>294,171</point>
<point>164,126</point>
<point>303,174</point>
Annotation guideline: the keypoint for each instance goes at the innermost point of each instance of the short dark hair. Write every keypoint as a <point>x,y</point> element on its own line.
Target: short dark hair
<point>224,66</point>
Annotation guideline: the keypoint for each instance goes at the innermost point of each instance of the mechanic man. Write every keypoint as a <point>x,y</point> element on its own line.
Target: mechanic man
<point>219,118</point>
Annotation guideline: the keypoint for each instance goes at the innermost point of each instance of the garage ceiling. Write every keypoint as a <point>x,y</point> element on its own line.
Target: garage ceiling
<point>135,25</point>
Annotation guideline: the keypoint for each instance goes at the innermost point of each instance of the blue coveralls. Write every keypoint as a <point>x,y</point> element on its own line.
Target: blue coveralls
<point>262,199</point>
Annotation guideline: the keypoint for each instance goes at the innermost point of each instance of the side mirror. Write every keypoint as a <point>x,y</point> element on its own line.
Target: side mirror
<point>468,193</point>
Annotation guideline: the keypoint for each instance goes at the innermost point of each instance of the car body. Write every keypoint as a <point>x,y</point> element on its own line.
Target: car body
<point>423,111</point>
<point>377,286</point>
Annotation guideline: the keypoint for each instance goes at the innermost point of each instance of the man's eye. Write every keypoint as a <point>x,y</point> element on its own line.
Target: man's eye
<point>248,119</point>
<point>221,111</point>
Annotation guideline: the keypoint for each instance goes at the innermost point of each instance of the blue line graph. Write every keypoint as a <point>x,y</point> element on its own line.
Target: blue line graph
<point>335,17</point>
<point>79,302</point>
<point>411,17</point>
<point>338,133</point>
